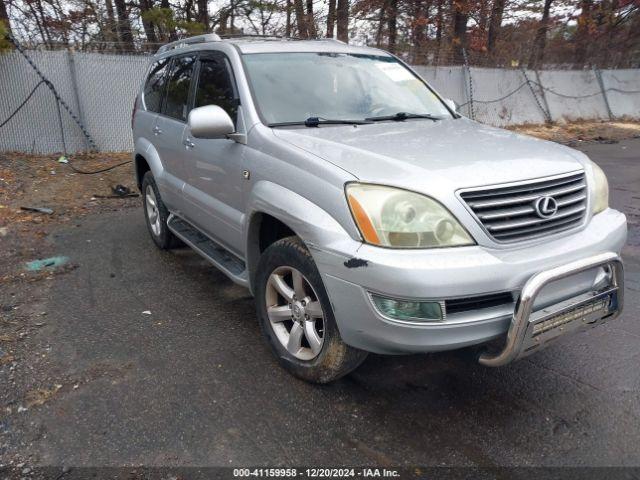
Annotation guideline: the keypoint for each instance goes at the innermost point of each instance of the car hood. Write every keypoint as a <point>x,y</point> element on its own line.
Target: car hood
<point>425,155</point>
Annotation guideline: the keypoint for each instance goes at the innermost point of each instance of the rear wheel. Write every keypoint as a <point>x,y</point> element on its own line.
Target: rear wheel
<point>156,214</point>
<point>296,316</point>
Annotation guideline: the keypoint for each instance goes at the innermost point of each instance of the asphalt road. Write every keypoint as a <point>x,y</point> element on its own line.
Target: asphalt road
<point>193,383</point>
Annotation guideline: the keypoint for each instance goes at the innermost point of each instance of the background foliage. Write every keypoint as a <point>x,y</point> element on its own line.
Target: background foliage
<point>513,33</point>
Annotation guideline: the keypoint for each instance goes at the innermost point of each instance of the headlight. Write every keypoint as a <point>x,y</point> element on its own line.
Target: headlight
<point>391,217</point>
<point>600,190</point>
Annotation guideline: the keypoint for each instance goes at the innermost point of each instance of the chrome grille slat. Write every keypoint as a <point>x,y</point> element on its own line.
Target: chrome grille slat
<point>532,221</point>
<point>526,198</point>
<point>540,230</point>
<point>520,189</point>
<point>514,212</point>
<point>508,213</point>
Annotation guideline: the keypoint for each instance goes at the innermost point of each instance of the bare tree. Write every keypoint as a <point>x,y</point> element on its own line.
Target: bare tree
<point>460,20</point>
<point>495,23</point>
<point>585,21</point>
<point>147,25</point>
<point>301,19</point>
<point>342,20</point>
<point>392,25</point>
<point>540,42</point>
<point>203,14</point>
<point>287,27</point>
<point>439,28</point>
<point>420,14</point>
<point>331,18</point>
<point>311,23</point>
<point>124,25</point>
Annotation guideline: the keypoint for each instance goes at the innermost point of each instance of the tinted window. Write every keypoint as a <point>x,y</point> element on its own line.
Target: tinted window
<point>215,87</point>
<point>176,103</point>
<point>154,87</point>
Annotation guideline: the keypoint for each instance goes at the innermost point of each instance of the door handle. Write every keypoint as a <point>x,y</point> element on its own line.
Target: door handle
<point>188,143</point>
<point>157,130</point>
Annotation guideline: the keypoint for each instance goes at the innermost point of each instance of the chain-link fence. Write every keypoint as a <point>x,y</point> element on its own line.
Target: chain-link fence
<point>98,89</point>
<point>68,101</point>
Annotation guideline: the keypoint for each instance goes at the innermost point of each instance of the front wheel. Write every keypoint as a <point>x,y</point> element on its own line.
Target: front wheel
<point>296,316</point>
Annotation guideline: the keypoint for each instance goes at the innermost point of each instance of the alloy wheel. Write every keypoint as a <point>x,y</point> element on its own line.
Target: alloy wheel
<point>152,210</point>
<point>295,313</point>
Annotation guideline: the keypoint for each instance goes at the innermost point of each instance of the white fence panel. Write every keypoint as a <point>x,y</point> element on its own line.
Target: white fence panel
<point>100,89</point>
<point>623,92</point>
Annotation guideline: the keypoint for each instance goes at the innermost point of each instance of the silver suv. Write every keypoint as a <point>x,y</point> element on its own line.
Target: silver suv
<point>363,212</point>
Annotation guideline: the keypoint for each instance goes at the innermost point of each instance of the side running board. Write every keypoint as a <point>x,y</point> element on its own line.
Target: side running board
<point>212,251</point>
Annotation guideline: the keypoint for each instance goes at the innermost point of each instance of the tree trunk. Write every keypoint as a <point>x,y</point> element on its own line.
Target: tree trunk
<point>342,20</point>
<point>288,22</point>
<point>582,33</point>
<point>124,25</point>
<point>383,11</point>
<point>311,23</point>
<point>4,17</point>
<point>392,25</point>
<point>44,22</point>
<point>331,18</point>
<point>189,14</point>
<point>149,27</point>
<point>540,42</point>
<point>223,19</point>
<point>203,14</point>
<point>439,24</point>
<point>171,33</point>
<point>495,23</point>
<point>419,30</point>
<point>460,19</point>
<point>483,21</point>
<point>301,19</point>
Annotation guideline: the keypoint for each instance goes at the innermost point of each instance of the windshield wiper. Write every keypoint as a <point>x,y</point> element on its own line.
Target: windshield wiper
<point>317,121</point>
<point>400,116</point>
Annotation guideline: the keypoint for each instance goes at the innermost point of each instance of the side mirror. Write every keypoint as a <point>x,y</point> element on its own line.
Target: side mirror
<point>451,104</point>
<point>210,121</point>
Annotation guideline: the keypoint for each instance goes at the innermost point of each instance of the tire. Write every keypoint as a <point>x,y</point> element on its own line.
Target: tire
<point>156,215</point>
<point>287,263</point>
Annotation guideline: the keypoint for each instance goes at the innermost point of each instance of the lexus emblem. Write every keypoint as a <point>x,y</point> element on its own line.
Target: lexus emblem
<point>546,207</point>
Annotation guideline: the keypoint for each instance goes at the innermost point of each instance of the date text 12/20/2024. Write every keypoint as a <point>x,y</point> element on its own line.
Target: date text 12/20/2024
<point>363,472</point>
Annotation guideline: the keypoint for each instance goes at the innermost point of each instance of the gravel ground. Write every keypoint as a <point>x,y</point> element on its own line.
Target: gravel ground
<point>87,379</point>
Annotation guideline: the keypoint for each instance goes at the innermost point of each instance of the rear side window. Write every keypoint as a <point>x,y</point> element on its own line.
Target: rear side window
<point>176,104</point>
<point>154,87</point>
<point>215,86</point>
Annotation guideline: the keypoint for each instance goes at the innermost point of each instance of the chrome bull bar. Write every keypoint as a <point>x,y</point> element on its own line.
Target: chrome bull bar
<point>531,331</point>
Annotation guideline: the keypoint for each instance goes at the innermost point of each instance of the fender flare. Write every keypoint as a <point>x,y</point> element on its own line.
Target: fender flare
<point>145,149</point>
<point>316,227</point>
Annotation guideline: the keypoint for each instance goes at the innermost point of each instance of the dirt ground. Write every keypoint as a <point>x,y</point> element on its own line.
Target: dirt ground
<point>42,181</point>
<point>574,133</point>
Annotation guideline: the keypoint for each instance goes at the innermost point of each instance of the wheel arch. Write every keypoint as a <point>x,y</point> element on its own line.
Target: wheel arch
<point>275,212</point>
<point>142,167</point>
<point>146,159</point>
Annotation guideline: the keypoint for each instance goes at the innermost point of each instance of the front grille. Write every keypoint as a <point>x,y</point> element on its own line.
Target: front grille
<point>467,304</point>
<point>509,214</point>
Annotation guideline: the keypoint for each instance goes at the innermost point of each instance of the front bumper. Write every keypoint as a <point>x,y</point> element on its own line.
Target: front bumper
<point>454,273</point>
<point>529,333</point>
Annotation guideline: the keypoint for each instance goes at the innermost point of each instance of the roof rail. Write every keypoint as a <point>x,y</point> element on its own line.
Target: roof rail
<point>255,35</point>
<point>239,36</point>
<point>208,37</point>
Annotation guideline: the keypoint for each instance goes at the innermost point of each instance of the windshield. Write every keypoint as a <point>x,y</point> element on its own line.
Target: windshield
<point>293,87</point>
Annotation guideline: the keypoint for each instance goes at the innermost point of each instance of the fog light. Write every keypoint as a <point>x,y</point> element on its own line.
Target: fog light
<point>408,310</point>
